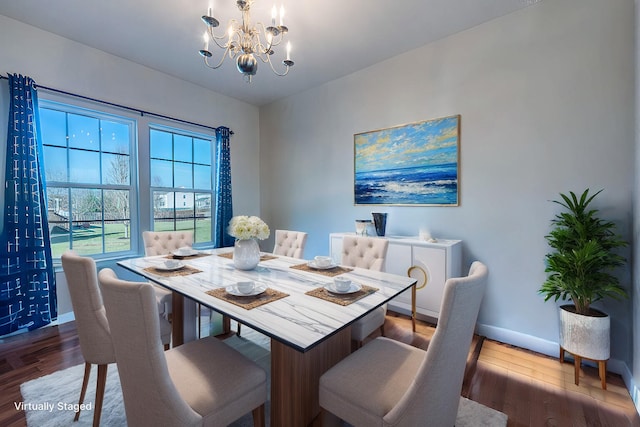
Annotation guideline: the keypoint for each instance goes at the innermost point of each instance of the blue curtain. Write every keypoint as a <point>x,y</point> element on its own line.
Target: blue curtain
<point>27,280</point>
<point>224,208</point>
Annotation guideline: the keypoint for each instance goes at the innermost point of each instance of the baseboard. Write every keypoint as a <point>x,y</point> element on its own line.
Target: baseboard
<point>63,318</point>
<point>551,348</point>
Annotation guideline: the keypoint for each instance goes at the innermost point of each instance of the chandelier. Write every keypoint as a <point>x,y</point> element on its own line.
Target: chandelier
<point>245,42</point>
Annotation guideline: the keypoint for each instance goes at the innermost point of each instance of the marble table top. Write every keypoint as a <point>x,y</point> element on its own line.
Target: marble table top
<point>298,320</point>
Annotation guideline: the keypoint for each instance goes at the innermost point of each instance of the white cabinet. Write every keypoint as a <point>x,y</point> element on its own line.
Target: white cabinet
<point>438,261</point>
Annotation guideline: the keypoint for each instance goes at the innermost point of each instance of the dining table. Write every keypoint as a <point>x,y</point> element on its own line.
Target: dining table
<point>294,303</point>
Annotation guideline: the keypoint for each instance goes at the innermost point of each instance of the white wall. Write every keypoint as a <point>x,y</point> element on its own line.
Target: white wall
<point>66,65</point>
<point>547,105</point>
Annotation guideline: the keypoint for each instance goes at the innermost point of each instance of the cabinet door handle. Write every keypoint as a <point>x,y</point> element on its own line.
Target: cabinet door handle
<point>422,281</point>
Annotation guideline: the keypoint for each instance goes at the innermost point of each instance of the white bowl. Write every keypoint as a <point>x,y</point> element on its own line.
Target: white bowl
<point>322,261</point>
<point>341,284</point>
<point>171,263</point>
<point>185,250</point>
<point>245,287</point>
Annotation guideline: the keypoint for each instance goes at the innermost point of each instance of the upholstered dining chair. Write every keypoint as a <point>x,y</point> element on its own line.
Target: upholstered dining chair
<point>163,243</point>
<point>290,243</point>
<point>91,322</point>
<point>389,383</point>
<point>200,383</point>
<point>369,253</point>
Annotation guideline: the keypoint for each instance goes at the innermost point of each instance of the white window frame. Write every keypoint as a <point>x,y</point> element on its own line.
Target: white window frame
<point>184,131</point>
<point>94,111</point>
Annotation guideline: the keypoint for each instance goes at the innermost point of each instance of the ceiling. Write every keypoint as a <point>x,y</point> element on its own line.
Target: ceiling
<point>330,38</point>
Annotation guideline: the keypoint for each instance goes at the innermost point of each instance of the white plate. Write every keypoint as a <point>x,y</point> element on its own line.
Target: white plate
<point>164,267</point>
<point>353,288</point>
<point>315,266</point>
<point>185,253</point>
<point>233,290</point>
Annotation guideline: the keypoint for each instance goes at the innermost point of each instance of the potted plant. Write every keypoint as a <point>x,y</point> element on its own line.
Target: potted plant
<point>580,269</point>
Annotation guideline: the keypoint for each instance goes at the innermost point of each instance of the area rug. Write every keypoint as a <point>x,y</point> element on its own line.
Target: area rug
<point>49,401</point>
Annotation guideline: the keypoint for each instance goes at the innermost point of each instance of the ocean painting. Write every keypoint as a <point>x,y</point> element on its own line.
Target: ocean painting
<point>414,164</point>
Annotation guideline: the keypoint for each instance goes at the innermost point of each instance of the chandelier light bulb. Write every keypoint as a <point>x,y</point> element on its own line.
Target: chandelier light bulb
<point>281,15</point>
<point>205,38</point>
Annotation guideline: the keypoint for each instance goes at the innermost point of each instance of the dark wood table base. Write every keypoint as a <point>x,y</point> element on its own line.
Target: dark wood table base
<point>295,378</point>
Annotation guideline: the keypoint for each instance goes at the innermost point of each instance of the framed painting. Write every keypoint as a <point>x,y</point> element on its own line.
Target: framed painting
<point>417,164</point>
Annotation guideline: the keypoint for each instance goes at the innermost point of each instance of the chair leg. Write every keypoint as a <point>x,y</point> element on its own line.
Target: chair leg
<point>102,380</point>
<point>83,390</point>
<point>382,330</point>
<point>258,416</point>
<point>238,330</point>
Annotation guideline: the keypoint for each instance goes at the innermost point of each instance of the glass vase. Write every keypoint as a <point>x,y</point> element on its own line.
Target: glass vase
<point>246,254</point>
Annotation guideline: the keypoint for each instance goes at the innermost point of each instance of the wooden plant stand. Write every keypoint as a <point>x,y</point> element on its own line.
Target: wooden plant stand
<point>577,360</point>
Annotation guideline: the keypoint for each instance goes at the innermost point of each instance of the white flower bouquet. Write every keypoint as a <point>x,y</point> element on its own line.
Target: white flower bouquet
<point>248,227</point>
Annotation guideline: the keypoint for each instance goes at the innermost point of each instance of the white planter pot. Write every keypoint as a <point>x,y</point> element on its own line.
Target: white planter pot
<point>585,336</point>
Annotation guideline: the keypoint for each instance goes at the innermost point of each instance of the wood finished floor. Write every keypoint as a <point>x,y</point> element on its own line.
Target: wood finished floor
<point>532,389</point>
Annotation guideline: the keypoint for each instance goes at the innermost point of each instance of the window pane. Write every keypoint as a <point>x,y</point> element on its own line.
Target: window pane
<point>163,212</point>
<point>58,216</point>
<point>84,166</point>
<point>161,146</point>
<point>117,220</point>
<point>115,169</point>
<point>185,210</point>
<point>83,132</point>
<point>202,151</point>
<point>53,126</point>
<point>202,177</point>
<point>161,173</point>
<point>114,137</point>
<point>182,148</point>
<point>183,177</point>
<point>86,214</point>
<point>203,217</point>
<point>55,164</point>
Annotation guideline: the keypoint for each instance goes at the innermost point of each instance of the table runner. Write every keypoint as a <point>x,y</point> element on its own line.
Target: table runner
<point>331,272</point>
<point>184,271</point>
<point>263,257</point>
<point>248,302</point>
<point>342,299</point>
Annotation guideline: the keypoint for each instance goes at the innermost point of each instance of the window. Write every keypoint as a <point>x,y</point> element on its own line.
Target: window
<point>89,167</point>
<point>182,181</point>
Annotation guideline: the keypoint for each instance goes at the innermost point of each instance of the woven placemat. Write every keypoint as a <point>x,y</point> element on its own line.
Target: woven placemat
<point>331,272</point>
<point>184,271</point>
<point>172,256</point>
<point>248,302</point>
<point>263,257</point>
<point>342,299</point>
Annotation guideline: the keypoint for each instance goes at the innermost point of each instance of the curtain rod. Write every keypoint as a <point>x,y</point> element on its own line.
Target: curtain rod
<point>112,104</point>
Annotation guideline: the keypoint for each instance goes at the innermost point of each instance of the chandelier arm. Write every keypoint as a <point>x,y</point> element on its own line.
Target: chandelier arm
<point>286,71</point>
<point>225,35</point>
<point>275,40</point>
<point>224,56</point>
